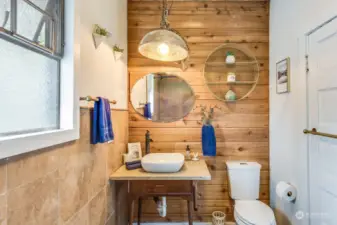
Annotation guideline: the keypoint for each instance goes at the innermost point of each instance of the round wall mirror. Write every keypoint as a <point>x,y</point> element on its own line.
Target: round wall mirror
<point>162,97</point>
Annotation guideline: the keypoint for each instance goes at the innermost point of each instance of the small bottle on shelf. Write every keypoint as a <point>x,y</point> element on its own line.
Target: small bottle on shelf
<point>231,77</point>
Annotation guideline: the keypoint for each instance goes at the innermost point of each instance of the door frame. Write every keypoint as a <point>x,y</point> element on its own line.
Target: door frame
<point>307,72</point>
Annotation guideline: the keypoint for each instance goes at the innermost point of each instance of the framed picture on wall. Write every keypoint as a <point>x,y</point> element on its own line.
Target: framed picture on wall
<point>283,76</point>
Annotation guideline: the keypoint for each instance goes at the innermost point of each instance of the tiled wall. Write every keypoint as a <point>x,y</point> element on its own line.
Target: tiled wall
<point>66,184</point>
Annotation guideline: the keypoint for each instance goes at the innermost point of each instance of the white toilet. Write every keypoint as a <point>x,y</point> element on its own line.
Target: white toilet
<point>244,178</point>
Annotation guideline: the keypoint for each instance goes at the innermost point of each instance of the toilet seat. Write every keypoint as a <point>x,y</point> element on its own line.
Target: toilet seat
<point>253,212</point>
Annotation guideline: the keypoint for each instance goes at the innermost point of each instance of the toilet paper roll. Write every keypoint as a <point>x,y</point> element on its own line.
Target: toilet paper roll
<point>286,191</point>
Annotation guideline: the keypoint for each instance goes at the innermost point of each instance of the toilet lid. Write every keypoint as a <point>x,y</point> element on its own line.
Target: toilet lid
<point>254,212</point>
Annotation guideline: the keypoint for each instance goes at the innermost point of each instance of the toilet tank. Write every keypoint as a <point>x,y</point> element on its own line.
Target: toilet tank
<point>244,180</point>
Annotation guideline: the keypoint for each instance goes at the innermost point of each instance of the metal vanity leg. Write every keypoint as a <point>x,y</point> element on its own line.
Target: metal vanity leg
<point>140,201</point>
<point>131,209</point>
<point>195,194</point>
<point>190,217</point>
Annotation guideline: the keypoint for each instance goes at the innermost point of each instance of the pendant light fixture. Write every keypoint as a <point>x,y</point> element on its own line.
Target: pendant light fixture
<point>164,44</point>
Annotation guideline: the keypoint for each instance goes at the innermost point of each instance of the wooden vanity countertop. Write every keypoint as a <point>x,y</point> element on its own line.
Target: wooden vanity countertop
<point>192,170</point>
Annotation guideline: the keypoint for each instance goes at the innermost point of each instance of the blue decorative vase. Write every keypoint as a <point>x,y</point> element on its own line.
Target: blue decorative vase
<point>208,140</point>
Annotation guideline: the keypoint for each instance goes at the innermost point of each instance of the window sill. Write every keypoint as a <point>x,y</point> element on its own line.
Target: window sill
<point>19,144</point>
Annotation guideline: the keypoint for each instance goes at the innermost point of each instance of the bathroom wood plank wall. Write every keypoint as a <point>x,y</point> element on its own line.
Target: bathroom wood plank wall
<point>242,129</point>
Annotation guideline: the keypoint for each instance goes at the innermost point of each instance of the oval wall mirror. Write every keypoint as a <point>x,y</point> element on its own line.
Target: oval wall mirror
<point>162,97</point>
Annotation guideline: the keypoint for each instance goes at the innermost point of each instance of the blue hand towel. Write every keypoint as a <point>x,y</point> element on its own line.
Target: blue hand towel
<point>101,122</point>
<point>147,111</point>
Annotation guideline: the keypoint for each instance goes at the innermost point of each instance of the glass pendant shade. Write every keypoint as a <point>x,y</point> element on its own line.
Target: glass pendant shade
<point>163,45</point>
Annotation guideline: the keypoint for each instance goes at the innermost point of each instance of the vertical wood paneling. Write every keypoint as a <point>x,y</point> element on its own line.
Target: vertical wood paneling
<point>242,129</point>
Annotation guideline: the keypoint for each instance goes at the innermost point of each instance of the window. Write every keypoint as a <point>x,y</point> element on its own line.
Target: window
<point>35,75</point>
<point>30,81</point>
<point>30,53</point>
<point>38,23</point>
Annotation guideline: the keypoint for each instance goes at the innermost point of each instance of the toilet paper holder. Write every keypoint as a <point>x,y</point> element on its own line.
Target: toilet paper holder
<point>286,191</point>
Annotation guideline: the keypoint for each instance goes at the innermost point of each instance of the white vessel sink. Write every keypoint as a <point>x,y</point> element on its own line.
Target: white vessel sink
<point>163,162</point>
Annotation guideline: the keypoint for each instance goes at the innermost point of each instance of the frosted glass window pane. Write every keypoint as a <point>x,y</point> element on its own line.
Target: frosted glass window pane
<point>29,90</point>
<point>42,3</point>
<point>34,25</point>
<point>5,7</point>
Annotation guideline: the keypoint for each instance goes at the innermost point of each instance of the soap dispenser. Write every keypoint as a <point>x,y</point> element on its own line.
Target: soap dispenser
<point>188,153</point>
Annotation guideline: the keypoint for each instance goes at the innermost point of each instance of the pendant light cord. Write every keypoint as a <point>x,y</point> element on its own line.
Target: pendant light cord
<point>164,22</point>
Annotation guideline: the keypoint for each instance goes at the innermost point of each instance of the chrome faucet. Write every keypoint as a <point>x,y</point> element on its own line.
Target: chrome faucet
<point>147,142</point>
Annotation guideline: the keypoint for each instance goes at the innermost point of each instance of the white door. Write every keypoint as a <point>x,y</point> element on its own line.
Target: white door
<point>322,111</point>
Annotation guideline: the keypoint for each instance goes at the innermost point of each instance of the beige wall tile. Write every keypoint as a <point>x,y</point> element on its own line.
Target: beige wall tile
<point>80,218</point>
<point>85,125</point>
<point>115,157</point>
<point>97,209</point>
<point>3,209</point>
<point>73,185</point>
<point>3,178</point>
<point>66,184</point>
<point>31,167</point>
<point>97,169</point>
<point>35,203</point>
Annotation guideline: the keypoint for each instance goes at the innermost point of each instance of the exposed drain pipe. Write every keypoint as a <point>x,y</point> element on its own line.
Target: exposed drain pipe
<point>161,206</point>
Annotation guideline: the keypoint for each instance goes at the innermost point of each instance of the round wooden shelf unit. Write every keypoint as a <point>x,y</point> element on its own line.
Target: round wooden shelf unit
<point>246,69</point>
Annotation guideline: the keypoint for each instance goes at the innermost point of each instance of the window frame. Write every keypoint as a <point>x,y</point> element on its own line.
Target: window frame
<point>55,29</point>
<point>69,67</point>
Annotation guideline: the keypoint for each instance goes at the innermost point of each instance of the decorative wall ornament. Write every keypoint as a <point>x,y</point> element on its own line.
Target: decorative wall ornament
<point>234,77</point>
<point>99,35</point>
<point>230,58</point>
<point>230,96</point>
<point>118,52</point>
<point>283,76</point>
<point>231,77</point>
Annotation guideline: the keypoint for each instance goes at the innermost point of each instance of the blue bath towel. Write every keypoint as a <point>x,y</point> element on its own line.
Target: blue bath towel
<point>101,122</point>
<point>147,111</point>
